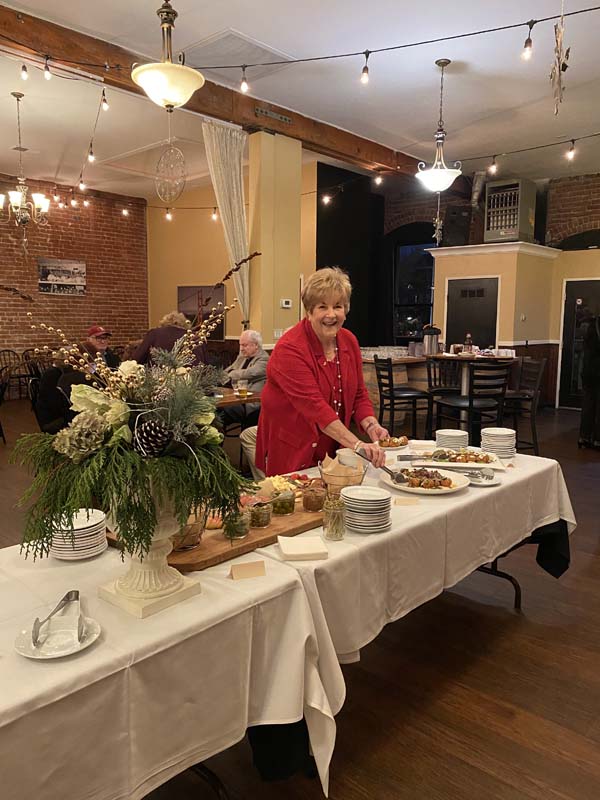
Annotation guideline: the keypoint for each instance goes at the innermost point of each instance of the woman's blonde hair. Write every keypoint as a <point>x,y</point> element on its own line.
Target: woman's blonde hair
<point>174,318</point>
<point>324,283</point>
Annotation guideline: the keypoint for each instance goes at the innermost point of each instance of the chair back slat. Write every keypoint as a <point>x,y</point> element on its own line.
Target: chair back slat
<point>488,380</point>
<point>443,374</point>
<point>9,358</point>
<point>385,376</point>
<point>532,371</point>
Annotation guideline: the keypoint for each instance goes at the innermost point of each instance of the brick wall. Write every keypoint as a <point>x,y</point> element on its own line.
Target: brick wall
<point>113,248</point>
<point>573,207</point>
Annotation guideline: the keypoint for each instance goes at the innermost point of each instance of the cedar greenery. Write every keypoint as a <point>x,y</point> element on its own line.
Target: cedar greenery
<point>125,485</point>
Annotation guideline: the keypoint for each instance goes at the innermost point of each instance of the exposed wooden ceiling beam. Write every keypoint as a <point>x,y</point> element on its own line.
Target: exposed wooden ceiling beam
<point>26,34</point>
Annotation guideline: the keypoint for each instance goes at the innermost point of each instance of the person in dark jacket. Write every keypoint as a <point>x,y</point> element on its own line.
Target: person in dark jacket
<point>98,340</point>
<point>171,328</point>
<point>589,432</point>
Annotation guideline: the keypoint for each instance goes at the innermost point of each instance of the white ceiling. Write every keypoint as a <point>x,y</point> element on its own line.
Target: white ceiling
<point>494,101</point>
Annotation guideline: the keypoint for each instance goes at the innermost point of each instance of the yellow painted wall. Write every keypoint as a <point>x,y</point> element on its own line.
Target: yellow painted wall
<point>570,264</point>
<point>533,298</point>
<point>477,265</point>
<point>190,250</point>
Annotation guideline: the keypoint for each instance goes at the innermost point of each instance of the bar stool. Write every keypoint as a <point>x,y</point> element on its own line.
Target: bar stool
<point>399,398</point>
<point>484,402</point>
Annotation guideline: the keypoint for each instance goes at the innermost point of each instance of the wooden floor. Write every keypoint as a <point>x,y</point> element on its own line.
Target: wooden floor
<point>464,699</point>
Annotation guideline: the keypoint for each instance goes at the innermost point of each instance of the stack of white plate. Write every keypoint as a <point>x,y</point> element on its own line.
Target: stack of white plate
<point>87,539</point>
<point>451,439</point>
<point>368,508</point>
<point>500,441</point>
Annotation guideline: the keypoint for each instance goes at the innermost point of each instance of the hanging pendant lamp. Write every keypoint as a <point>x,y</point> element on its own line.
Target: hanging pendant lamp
<point>439,177</point>
<point>167,84</point>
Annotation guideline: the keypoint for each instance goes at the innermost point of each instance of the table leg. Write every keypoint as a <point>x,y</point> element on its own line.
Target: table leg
<point>212,780</point>
<point>493,570</point>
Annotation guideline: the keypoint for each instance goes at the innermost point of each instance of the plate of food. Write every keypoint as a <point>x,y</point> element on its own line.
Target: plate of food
<point>467,458</point>
<point>393,442</point>
<point>434,482</point>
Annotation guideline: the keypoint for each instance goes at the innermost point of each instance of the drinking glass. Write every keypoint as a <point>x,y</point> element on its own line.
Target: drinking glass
<point>242,388</point>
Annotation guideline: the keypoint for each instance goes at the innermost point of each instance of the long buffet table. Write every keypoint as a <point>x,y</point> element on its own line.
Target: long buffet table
<point>155,696</point>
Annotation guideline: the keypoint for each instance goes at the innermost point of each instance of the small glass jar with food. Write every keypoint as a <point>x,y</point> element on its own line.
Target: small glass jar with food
<point>313,497</point>
<point>260,514</point>
<point>237,526</point>
<point>284,503</point>
<point>334,523</point>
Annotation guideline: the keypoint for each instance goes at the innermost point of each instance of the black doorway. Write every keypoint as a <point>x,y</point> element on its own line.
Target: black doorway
<point>582,302</point>
<point>472,307</point>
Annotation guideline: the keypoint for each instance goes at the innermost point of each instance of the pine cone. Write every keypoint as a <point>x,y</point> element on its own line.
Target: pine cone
<point>150,438</point>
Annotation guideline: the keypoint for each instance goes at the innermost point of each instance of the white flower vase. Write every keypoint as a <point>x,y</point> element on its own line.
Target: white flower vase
<point>150,584</point>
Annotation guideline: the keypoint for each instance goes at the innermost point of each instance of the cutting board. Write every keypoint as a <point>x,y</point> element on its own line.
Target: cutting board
<point>214,548</point>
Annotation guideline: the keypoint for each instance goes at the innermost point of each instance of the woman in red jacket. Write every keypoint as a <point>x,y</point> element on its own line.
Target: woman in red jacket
<point>315,385</point>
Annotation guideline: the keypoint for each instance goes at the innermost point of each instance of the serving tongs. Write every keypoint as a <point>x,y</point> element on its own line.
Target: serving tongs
<point>397,477</point>
<point>72,596</point>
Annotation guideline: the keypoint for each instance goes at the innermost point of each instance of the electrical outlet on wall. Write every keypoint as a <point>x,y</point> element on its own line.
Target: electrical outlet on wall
<point>284,303</point>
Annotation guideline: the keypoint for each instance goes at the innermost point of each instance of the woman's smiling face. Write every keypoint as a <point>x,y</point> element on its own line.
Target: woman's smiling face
<point>327,317</point>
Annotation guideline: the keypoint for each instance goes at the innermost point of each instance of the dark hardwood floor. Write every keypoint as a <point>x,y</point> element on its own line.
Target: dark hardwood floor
<point>465,698</point>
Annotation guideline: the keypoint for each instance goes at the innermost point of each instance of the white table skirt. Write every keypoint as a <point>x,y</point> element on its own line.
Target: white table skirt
<point>372,579</point>
<point>154,696</point>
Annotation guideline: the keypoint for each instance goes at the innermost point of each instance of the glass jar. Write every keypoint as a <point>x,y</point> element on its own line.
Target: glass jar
<point>334,524</point>
<point>284,503</point>
<point>260,515</point>
<point>313,498</point>
<point>237,526</point>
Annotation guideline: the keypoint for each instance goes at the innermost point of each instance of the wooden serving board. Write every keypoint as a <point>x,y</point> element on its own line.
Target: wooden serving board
<point>214,548</point>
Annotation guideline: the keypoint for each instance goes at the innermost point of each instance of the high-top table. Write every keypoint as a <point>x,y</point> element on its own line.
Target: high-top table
<point>369,580</point>
<point>152,697</point>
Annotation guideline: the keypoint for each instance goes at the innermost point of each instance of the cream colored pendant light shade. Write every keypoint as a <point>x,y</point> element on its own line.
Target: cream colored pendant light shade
<point>167,84</point>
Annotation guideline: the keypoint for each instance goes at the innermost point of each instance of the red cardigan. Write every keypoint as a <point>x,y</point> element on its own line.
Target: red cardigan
<point>295,403</point>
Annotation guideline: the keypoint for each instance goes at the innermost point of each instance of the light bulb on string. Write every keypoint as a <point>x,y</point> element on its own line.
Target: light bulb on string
<point>47,73</point>
<point>364,75</point>
<point>91,157</point>
<point>570,154</point>
<point>493,167</point>
<point>105,105</point>
<point>82,186</point>
<point>244,83</point>
<point>61,204</point>
<point>214,216</point>
<point>24,73</point>
<point>74,202</point>
<point>168,215</point>
<point>86,203</point>
<point>56,195</point>
<point>528,46</point>
<point>378,180</point>
<point>326,199</point>
<point>125,212</point>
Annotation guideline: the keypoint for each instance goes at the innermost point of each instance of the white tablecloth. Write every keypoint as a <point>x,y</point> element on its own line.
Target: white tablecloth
<point>154,696</point>
<point>372,579</point>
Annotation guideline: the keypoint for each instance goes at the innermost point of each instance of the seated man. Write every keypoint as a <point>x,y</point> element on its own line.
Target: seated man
<point>251,366</point>
<point>248,445</point>
<point>98,339</point>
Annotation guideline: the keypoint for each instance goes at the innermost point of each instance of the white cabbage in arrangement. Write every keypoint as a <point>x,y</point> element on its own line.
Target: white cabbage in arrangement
<point>131,369</point>
<point>86,398</point>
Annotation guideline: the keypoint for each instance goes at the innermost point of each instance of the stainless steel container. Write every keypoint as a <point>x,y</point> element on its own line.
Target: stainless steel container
<point>431,338</point>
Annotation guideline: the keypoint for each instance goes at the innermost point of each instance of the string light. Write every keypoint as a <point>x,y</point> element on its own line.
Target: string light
<point>364,76</point>
<point>47,73</point>
<point>104,101</point>
<point>56,195</point>
<point>493,167</point>
<point>61,204</point>
<point>86,203</point>
<point>74,202</point>
<point>168,215</point>
<point>244,83</point>
<point>570,154</point>
<point>378,180</point>
<point>91,156</point>
<point>528,46</point>
<point>326,199</point>
<point>125,212</point>
<point>214,216</point>
<point>82,185</point>
<point>535,147</point>
<point>24,73</point>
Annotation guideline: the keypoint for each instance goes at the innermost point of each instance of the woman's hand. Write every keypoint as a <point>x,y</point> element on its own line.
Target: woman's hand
<point>377,432</point>
<point>374,453</point>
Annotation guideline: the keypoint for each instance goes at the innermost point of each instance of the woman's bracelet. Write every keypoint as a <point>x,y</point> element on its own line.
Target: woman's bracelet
<point>358,444</point>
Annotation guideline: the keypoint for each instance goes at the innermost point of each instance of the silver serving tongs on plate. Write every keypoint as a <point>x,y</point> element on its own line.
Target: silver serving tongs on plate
<point>397,477</point>
<point>70,597</point>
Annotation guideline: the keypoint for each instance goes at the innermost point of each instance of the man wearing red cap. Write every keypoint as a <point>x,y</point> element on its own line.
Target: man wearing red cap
<point>97,342</point>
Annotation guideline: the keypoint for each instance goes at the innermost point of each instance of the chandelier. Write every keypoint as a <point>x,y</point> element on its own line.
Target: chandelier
<point>439,177</point>
<point>166,84</point>
<point>20,210</point>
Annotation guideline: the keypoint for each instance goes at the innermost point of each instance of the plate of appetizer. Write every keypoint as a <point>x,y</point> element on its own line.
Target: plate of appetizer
<point>467,458</point>
<point>434,482</point>
<point>393,443</point>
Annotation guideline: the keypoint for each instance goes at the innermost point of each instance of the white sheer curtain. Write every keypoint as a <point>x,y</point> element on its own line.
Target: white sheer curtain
<point>224,150</point>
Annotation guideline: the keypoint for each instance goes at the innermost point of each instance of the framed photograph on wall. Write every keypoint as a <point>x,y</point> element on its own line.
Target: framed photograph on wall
<point>196,303</point>
<point>61,276</point>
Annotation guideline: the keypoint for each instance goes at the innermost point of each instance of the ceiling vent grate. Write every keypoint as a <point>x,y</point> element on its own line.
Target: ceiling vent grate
<point>232,47</point>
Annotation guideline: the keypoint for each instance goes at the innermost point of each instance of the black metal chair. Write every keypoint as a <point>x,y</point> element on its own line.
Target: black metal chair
<point>523,401</point>
<point>399,398</point>
<point>484,402</point>
<point>17,375</point>
<point>4,371</point>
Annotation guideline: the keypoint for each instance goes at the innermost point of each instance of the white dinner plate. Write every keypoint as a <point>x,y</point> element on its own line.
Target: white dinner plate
<point>484,481</point>
<point>394,449</point>
<point>76,555</point>
<point>459,482</point>
<point>370,528</point>
<point>367,493</point>
<point>58,643</point>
